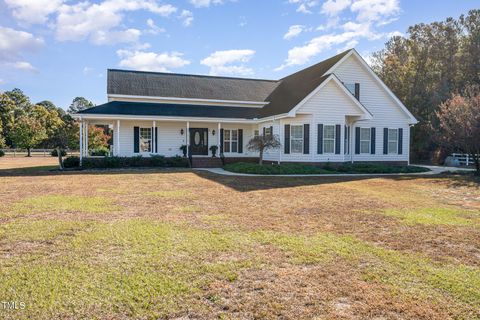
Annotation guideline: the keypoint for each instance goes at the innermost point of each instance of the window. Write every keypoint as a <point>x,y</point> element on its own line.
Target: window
<point>365,140</point>
<point>347,140</point>
<point>145,140</point>
<point>328,139</point>
<point>256,133</point>
<point>230,140</point>
<point>392,140</point>
<point>296,139</point>
<point>351,88</point>
<point>268,131</point>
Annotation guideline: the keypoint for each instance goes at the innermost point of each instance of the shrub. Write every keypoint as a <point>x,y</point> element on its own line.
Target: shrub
<point>157,160</point>
<point>2,153</point>
<point>112,162</point>
<point>177,161</point>
<point>71,162</point>
<point>100,152</point>
<point>55,154</point>
<point>295,168</point>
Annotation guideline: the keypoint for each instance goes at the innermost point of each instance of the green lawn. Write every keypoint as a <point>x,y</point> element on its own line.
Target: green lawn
<point>175,243</point>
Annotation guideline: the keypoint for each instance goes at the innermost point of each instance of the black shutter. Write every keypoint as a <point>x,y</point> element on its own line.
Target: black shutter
<point>357,140</point>
<point>286,143</point>
<point>271,131</point>
<point>156,139</point>
<point>400,141</point>
<point>338,136</point>
<point>385,140</point>
<point>320,138</point>
<point>136,139</point>
<point>221,141</point>
<point>306,138</point>
<point>372,140</point>
<point>264,131</point>
<point>240,140</point>
<point>357,91</point>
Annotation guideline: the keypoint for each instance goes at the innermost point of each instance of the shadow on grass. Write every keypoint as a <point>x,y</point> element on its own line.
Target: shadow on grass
<point>238,183</point>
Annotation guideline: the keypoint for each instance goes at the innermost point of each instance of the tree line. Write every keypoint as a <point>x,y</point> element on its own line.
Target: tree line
<point>28,125</point>
<point>425,69</point>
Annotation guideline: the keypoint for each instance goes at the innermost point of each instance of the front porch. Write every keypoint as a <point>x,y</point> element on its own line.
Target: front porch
<point>201,139</point>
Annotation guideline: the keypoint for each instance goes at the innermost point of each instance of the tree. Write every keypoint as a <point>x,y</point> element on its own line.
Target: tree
<point>263,143</point>
<point>79,104</point>
<point>426,66</point>
<point>27,133</point>
<point>7,116</point>
<point>459,119</point>
<point>50,120</point>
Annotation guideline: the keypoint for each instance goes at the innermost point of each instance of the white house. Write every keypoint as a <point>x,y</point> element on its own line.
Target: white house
<point>335,111</point>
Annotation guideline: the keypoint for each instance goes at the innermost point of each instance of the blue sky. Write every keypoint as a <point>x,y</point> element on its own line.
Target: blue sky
<point>59,49</point>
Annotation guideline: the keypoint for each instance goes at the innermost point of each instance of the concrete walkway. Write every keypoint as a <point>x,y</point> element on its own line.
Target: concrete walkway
<point>433,170</point>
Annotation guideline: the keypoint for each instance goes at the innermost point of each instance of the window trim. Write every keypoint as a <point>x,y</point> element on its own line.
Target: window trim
<point>230,140</point>
<point>369,140</point>
<point>297,139</point>
<point>140,138</point>
<point>391,140</point>
<point>329,139</point>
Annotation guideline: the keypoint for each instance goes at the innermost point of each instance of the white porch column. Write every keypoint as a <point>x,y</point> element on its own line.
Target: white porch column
<point>154,143</point>
<point>187,138</point>
<point>117,148</point>
<point>81,141</point>
<point>351,142</point>
<point>86,138</point>
<point>218,136</point>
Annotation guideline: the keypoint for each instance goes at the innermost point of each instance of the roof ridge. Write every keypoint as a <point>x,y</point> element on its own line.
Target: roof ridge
<point>320,62</point>
<point>191,75</point>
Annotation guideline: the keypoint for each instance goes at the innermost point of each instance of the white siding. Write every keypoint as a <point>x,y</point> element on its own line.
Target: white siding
<point>386,112</point>
<point>170,139</point>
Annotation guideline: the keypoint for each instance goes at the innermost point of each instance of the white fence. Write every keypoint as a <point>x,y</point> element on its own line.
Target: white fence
<point>463,159</point>
<point>33,152</point>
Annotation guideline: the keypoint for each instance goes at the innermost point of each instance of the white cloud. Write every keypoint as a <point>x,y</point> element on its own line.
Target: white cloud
<point>229,62</point>
<point>13,44</point>
<point>36,11</point>
<point>187,17</point>
<point>204,3</point>
<point>153,28</point>
<point>375,10</point>
<point>100,22</point>
<point>151,61</point>
<point>293,32</point>
<point>304,6</point>
<point>370,14</point>
<point>334,7</point>
<point>20,65</point>
<point>395,34</point>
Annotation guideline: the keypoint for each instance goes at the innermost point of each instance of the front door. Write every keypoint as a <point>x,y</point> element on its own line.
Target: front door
<point>199,141</point>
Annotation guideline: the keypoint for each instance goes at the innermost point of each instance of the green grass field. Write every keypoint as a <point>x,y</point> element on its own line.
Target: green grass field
<point>175,243</point>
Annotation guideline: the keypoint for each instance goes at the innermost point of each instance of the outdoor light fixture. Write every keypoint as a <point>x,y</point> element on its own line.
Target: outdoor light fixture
<point>181,132</point>
<point>213,132</point>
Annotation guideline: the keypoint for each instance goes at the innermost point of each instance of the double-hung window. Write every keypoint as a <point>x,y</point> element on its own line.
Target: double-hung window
<point>268,131</point>
<point>392,141</point>
<point>296,138</point>
<point>328,139</point>
<point>365,140</point>
<point>145,140</point>
<point>230,141</point>
<point>256,133</point>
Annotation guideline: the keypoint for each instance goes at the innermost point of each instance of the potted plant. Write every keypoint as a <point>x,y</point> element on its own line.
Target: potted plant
<point>214,150</point>
<point>184,150</point>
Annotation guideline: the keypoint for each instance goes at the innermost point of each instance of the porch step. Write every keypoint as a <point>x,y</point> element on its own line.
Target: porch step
<point>206,162</point>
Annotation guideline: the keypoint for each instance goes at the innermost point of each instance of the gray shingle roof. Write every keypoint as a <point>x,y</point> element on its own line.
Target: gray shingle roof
<point>158,84</point>
<point>282,95</point>
<point>171,110</point>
